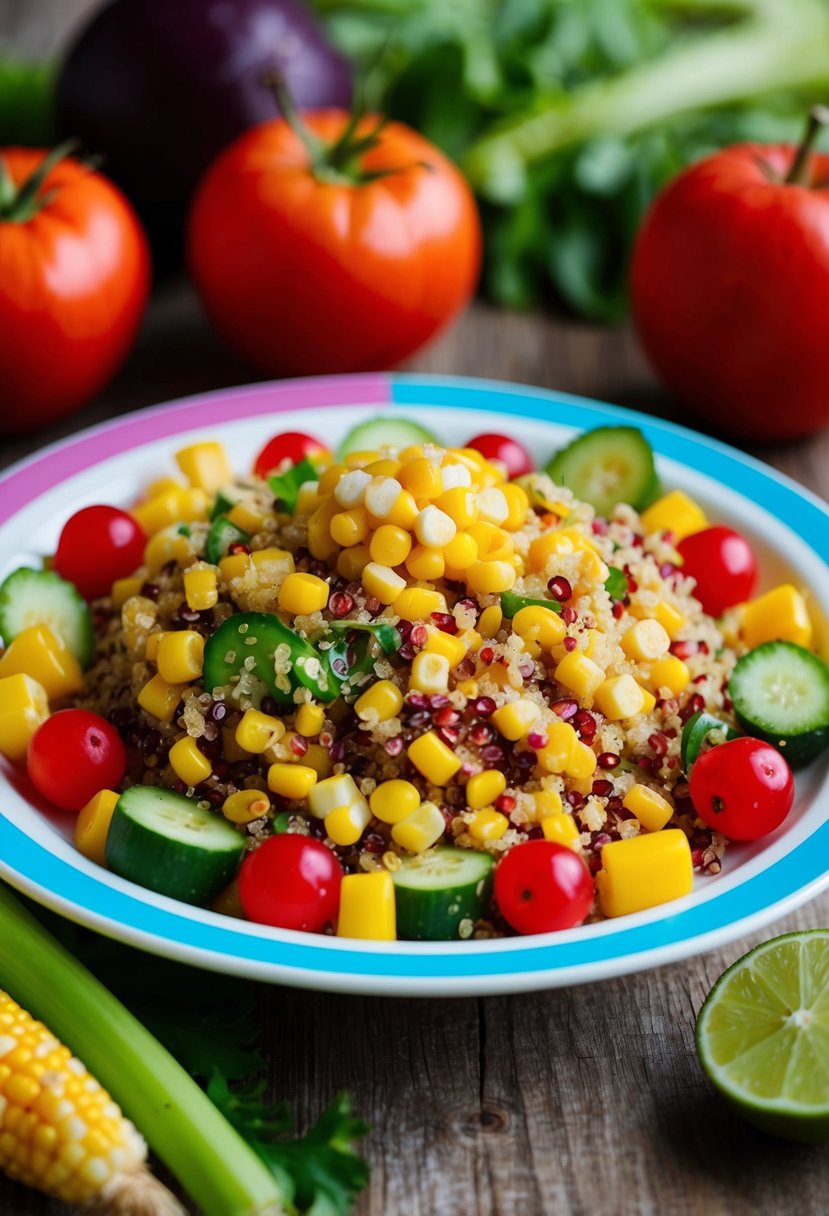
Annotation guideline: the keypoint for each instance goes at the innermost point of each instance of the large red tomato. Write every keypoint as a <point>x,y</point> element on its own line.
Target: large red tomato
<point>74,279</point>
<point>309,267</point>
<point>730,281</point>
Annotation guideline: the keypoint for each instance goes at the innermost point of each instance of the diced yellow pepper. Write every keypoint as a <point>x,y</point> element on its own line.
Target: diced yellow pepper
<point>448,645</point>
<point>650,808</point>
<point>670,673</point>
<point>580,674</point>
<point>333,792</point>
<point>24,706</point>
<point>160,699</point>
<point>425,563</point>
<point>205,465</point>
<point>234,565</point>
<point>170,507</point>
<point>645,641</point>
<point>420,830</point>
<point>675,513</point>
<point>644,871</point>
<point>561,829</point>
<point>379,702</point>
<point>257,732</point>
<point>429,673</point>
<point>40,653</point>
<point>394,800</point>
<point>390,545</point>
<point>245,516</point>
<point>160,486</point>
<point>777,615</point>
<point>484,788</point>
<point>346,824</point>
<point>92,826</point>
<point>180,655</point>
<point>418,604</point>
<point>515,720</point>
<point>382,582</point>
<point>490,621</point>
<point>367,907</point>
<point>620,697</point>
<point>488,824</point>
<point>292,781</point>
<point>301,594</point>
<point>188,763</point>
<point>541,625</point>
<point>490,577</point>
<point>431,757</point>
<point>200,588</point>
<point>309,719</point>
<point>124,588</point>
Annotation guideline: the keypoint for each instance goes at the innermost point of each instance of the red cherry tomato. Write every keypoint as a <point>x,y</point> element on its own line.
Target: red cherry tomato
<point>541,886</point>
<point>743,789</point>
<point>292,882</point>
<point>73,755</point>
<point>291,446</point>
<point>509,451</point>
<point>724,566</point>
<point>97,546</point>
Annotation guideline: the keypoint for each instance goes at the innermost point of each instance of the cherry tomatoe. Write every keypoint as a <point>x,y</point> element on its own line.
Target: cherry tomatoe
<point>509,451</point>
<point>723,564</point>
<point>541,886</point>
<point>98,545</point>
<point>290,447</point>
<point>74,754</point>
<point>743,788</point>
<point>292,882</point>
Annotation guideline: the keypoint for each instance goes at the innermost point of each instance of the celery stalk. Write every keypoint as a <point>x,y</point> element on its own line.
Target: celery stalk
<point>219,1170</point>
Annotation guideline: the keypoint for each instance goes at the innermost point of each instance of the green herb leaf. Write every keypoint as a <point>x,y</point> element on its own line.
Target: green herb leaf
<point>388,637</point>
<point>616,583</point>
<point>286,486</point>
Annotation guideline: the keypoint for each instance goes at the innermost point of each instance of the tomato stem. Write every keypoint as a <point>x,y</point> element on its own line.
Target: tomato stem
<point>800,173</point>
<point>20,204</point>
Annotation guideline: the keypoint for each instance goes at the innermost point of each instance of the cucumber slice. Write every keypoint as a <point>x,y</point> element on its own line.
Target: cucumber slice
<point>605,466</point>
<point>164,841</point>
<point>384,432</point>
<point>781,694</point>
<point>223,533</point>
<point>256,635</point>
<point>42,597</point>
<point>436,891</point>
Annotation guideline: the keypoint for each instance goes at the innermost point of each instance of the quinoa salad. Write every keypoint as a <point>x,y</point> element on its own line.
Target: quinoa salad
<point>397,667</point>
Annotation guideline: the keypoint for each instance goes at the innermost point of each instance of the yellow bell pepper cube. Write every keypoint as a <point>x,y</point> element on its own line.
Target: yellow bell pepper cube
<point>431,757</point>
<point>580,674</point>
<point>644,871</point>
<point>180,655</point>
<point>92,826</point>
<point>234,565</point>
<point>484,788</point>
<point>293,781</point>
<point>245,516</point>
<point>301,594</point>
<point>151,646</point>
<point>488,824</point>
<point>319,759</point>
<point>561,829</point>
<point>367,907</point>
<point>650,808</point>
<point>160,699</point>
<point>170,507</point>
<point>420,830</point>
<point>675,513</point>
<point>200,588</point>
<point>188,763</point>
<point>778,615</point>
<point>394,800</point>
<point>40,653</point>
<point>547,804</point>
<point>268,559</point>
<point>205,465</point>
<point>24,706</point>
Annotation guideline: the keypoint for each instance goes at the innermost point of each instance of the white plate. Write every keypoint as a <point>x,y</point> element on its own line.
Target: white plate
<point>788,527</point>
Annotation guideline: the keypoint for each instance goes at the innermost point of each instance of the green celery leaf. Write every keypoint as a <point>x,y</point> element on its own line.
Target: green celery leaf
<point>616,583</point>
<point>286,486</point>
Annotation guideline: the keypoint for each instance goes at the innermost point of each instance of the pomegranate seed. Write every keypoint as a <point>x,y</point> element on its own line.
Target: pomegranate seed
<point>614,804</point>
<point>337,750</point>
<point>671,762</point>
<point>560,589</point>
<point>487,655</point>
<point>670,732</point>
<point>446,716</point>
<point>445,622</point>
<point>407,652</point>
<point>448,816</point>
<point>565,708</point>
<point>570,645</point>
<point>683,650</point>
<point>632,585</point>
<point>575,799</point>
<point>449,734</point>
<point>237,547</point>
<point>602,788</point>
<point>527,670</point>
<point>696,858</point>
<point>600,840</point>
<point>658,743</point>
<point>699,679</point>
<point>374,843</point>
<point>608,760</point>
<point>569,615</point>
<point>418,700</point>
<point>536,740</point>
<point>393,746</point>
<point>493,754</point>
<point>599,527</point>
<point>341,603</point>
<point>667,569</point>
<point>419,635</point>
<point>703,647</point>
<point>481,734</point>
<point>637,541</point>
<point>404,628</point>
<point>618,610</point>
<point>421,718</point>
<point>469,605</point>
<point>667,706</point>
<point>505,804</point>
<point>584,722</point>
<point>438,700</point>
<point>299,745</point>
<point>483,706</point>
<point>645,763</point>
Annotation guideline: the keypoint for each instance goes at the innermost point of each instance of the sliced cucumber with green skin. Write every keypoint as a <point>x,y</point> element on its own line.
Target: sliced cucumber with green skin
<point>608,465</point>
<point>384,432</point>
<point>781,694</point>
<point>223,502</point>
<point>256,635</point>
<point>438,890</point>
<point>164,841</point>
<point>42,597</point>
<point>223,533</point>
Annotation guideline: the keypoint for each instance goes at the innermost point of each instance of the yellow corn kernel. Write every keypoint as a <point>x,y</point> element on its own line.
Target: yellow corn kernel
<point>418,604</point>
<point>431,757</point>
<point>160,486</point>
<point>644,871</point>
<point>320,542</point>
<point>670,618</point>
<point>471,457</point>
<point>333,792</point>
<point>352,562</point>
<point>346,824</point>
<point>367,907</point>
<point>490,577</point>
<point>778,615</point>
<point>490,621</point>
<point>650,808</point>
<point>170,507</point>
<point>24,706</point>
<point>425,563</point>
<point>257,732</point>
<point>518,506</point>
<point>40,653</point>
<point>292,781</point>
<point>558,751</point>
<point>449,645</point>
<point>382,582</point>
<point>420,830</point>
<point>151,646</point>
<point>246,517</point>
<point>494,544</point>
<point>580,674</point>
<point>234,565</point>
<point>168,545</point>
<point>421,477</point>
<point>413,452</point>
<point>492,473</point>
<point>582,762</point>
<point>188,763</point>
<point>301,594</point>
<point>515,720</point>
<point>205,465</point>
<point>350,527</point>
<point>646,641</point>
<point>359,460</point>
<point>267,559</point>
<point>381,494</point>
<point>471,639</point>
<point>675,513</point>
<point>430,672</point>
<point>561,829</point>
<point>541,625</point>
<point>124,588</point>
<point>308,498</point>
<point>246,805</point>
<point>670,673</point>
<point>231,750</point>
<point>180,655</point>
<point>380,702</point>
<point>620,697</point>
<point>469,688</point>
<point>309,719</point>
<point>390,545</point>
<point>547,803</point>
<point>434,528</point>
<point>329,479</point>
<point>461,552</point>
<point>492,506</point>
<point>92,826</point>
<point>484,788</point>
<point>200,588</point>
<point>488,824</point>
<point>319,759</point>
<point>392,801</point>
<point>460,505</point>
<point>383,468</point>
<point>402,513</point>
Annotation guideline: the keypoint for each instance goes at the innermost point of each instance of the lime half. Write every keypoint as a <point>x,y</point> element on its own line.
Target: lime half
<point>763,1036</point>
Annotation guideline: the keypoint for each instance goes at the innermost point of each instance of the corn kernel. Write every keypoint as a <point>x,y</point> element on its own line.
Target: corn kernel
<point>460,553</point>
<point>124,588</point>
<point>292,781</point>
<point>180,655</point>
<point>359,460</point>
<point>308,498</point>
<point>670,673</point>
<point>561,829</point>
<point>547,803</point>
<point>449,645</point>
<point>620,697</point>
<point>644,871</point>
<point>582,762</point>
<point>518,506</point>
<point>494,544</point>
<point>333,792</point>
<point>352,562</point>
<point>92,826</point>
<point>429,673</point>
<point>367,907</point>
<point>492,506</point>
<point>205,465</point>
<point>391,801</point>
<point>231,750</point>
<point>170,507</point>
<point>454,475</point>
<point>350,490</point>
<point>383,468</point>
<point>676,513</point>
<point>246,517</point>
<point>484,788</point>
<point>257,732</point>
<point>350,527</point>
<point>431,757</point>
<point>381,495</point>
<point>383,700</point>
<point>434,528</point>
<point>40,653</point>
<point>670,618</point>
<point>541,625</point>
<point>309,719</point>
<point>488,824</point>
<point>493,473</point>
<point>403,512</point>
<point>200,588</point>
<point>426,564</point>
<point>160,486</point>
<point>421,477</point>
<point>267,559</point>
<point>382,582</point>
<point>319,759</point>
<point>168,545</point>
<point>558,752</point>
<point>245,806</point>
<point>471,639</point>
<point>24,706</point>
<point>390,545</point>
<point>471,457</point>
<point>645,641</point>
<point>490,621</point>
<point>460,505</point>
<point>650,808</point>
<point>320,542</point>
<point>515,720</point>
<point>490,577</point>
<point>188,763</point>
<point>778,615</point>
<point>234,565</point>
<point>301,594</point>
<point>346,824</point>
<point>418,604</point>
<point>330,478</point>
<point>580,674</point>
<point>420,830</point>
